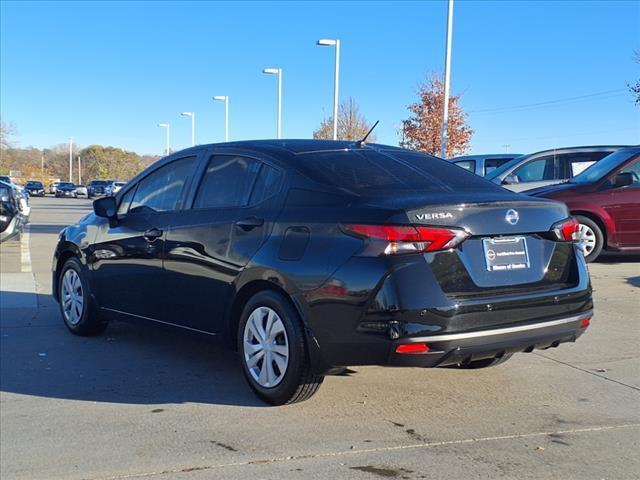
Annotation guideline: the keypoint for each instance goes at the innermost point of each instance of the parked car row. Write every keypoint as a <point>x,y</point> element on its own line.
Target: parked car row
<point>95,188</point>
<point>599,184</point>
<point>14,210</point>
<point>520,173</point>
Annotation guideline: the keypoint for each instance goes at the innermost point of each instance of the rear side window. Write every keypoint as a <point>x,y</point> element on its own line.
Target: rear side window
<point>227,182</point>
<point>373,173</point>
<point>575,163</point>
<point>267,184</point>
<point>467,165</point>
<point>161,190</point>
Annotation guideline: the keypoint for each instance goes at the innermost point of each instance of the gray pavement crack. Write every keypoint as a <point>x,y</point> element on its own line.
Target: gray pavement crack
<point>584,370</point>
<point>340,453</point>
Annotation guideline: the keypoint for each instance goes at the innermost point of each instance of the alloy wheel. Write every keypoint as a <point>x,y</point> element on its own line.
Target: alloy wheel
<point>72,297</point>
<point>266,347</point>
<point>587,240</point>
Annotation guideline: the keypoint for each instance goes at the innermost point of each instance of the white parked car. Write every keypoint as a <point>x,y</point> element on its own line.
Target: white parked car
<point>117,186</point>
<point>81,190</point>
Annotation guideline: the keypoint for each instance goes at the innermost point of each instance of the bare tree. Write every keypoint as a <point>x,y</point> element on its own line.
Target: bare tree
<point>423,129</point>
<point>635,89</point>
<point>7,131</point>
<point>352,125</point>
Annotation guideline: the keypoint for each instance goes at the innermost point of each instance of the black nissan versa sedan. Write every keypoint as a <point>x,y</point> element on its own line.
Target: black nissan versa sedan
<point>309,256</point>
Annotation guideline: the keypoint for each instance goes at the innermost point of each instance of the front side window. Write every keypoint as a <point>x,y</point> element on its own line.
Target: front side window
<point>634,170</point>
<point>490,164</point>
<point>227,182</point>
<point>161,191</point>
<point>537,170</point>
<point>467,165</point>
<point>123,208</point>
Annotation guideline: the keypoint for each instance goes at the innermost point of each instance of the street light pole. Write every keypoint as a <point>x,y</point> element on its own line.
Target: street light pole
<point>167,127</point>
<point>225,99</point>
<point>79,171</point>
<point>193,125</point>
<point>71,159</point>
<point>447,75</point>
<point>278,72</point>
<point>324,42</point>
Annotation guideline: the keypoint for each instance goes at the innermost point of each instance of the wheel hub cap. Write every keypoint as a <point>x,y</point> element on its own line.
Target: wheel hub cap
<point>72,297</point>
<point>587,239</point>
<point>266,347</point>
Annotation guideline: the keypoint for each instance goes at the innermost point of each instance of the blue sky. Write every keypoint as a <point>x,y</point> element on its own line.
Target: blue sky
<point>109,72</point>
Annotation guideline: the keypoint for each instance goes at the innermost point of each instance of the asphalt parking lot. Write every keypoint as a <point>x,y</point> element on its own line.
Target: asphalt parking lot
<point>142,402</point>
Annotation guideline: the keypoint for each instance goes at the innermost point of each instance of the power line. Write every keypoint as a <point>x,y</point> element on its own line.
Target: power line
<point>598,95</point>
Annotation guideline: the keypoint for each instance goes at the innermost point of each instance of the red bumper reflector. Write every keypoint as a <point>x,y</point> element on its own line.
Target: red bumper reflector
<point>412,348</point>
<point>584,323</point>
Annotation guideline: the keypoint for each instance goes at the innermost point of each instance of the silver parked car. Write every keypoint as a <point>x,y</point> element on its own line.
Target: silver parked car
<point>484,164</point>
<point>117,185</point>
<point>548,167</point>
<point>81,190</point>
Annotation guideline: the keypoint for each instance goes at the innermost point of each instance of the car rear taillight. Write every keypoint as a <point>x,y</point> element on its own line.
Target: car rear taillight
<point>409,239</point>
<point>567,230</point>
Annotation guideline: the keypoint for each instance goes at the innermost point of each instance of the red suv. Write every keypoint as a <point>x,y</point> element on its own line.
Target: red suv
<point>605,199</point>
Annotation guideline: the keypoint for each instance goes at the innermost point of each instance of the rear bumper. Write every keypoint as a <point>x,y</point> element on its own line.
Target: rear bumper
<point>461,348</point>
<point>363,321</point>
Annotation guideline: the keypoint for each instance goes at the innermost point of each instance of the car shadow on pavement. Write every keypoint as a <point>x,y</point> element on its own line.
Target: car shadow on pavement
<point>611,258</point>
<point>46,229</point>
<point>128,363</point>
<point>634,281</point>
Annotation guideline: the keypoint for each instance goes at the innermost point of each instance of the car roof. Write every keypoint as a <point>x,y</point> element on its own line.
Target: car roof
<point>485,157</point>
<point>293,146</point>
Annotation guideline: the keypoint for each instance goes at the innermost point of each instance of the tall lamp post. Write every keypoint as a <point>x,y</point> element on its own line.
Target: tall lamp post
<point>278,72</point>
<point>447,77</point>
<point>167,128</point>
<point>325,42</point>
<point>225,99</point>
<point>193,125</point>
<point>71,159</point>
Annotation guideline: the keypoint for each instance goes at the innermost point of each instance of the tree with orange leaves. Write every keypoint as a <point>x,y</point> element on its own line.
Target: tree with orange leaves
<point>423,129</point>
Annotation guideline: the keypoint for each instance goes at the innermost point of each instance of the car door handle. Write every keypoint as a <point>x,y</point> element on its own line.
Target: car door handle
<point>152,234</point>
<point>249,223</point>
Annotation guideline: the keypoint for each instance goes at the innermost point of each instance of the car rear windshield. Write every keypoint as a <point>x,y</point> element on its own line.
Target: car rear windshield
<point>99,183</point>
<point>67,185</point>
<point>368,172</point>
<point>34,184</point>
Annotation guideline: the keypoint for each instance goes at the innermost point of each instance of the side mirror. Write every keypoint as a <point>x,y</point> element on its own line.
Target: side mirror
<point>623,179</point>
<point>106,207</point>
<point>510,179</point>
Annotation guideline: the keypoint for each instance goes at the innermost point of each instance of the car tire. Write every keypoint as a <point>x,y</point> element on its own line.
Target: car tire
<point>484,363</point>
<point>591,238</point>
<point>76,306</point>
<point>269,314</point>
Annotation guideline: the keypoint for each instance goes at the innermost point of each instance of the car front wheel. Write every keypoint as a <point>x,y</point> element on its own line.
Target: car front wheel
<point>77,310</point>
<point>273,350</point>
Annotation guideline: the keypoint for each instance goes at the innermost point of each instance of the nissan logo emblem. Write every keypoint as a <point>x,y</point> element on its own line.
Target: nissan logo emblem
<point>512,216</point>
